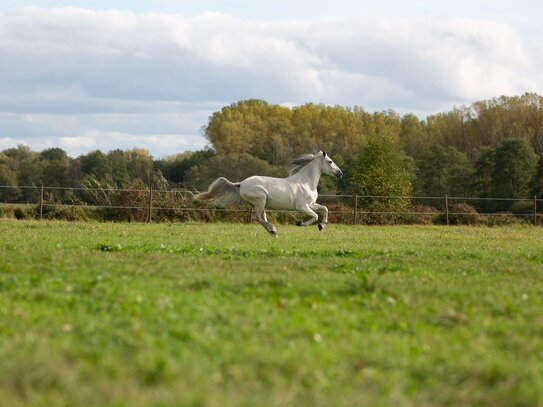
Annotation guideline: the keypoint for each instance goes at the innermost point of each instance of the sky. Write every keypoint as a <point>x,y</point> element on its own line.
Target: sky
<point>87,75</point>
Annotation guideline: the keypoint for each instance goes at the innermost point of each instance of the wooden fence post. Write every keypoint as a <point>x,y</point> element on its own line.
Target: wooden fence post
<point>355,209</point>
<point>150,207</point>
<point>447,208</point>
<point>41,202</point>
<point>535,210</point>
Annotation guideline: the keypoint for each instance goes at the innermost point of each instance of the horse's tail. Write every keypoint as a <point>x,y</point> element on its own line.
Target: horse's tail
<point>222,192</point>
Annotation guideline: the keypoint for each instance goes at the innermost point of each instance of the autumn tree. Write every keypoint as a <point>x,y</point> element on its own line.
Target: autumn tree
<point>413,135</point>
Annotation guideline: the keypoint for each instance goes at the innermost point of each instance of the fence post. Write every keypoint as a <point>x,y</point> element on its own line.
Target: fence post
<point>150,207</point>
<point>41,202</point>
<point>355,208</point>
<point>535,210</point>
<point>447,208</point>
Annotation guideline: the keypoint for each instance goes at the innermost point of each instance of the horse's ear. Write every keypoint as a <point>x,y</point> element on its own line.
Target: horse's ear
<point>324,153</point>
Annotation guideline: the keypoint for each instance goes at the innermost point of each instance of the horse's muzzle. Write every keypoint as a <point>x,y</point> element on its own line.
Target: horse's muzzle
<point>339,174</point>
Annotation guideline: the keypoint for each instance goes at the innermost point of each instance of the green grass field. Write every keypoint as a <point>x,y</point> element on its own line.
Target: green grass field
<point>95,314</point>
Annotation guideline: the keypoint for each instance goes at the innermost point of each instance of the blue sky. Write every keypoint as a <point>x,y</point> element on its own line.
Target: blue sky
<point>85,75</point>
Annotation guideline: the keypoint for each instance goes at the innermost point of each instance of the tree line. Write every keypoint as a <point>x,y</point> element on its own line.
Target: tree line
<point>492,148</point>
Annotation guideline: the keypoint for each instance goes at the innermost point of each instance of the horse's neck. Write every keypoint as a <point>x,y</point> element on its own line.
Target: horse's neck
<point>310,174</point>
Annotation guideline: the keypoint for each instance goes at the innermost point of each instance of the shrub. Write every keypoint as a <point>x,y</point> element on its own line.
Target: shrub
<point>68,213</point>
<point>464,214</point>
<point>339,213</point>
<point>523,208</point>
<point>420,215</point>
<point>24,213</point>
<point>501,219</point>
<point>6,211</point>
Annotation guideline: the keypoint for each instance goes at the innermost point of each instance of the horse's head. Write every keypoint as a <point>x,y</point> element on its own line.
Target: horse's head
<point>328,166</point>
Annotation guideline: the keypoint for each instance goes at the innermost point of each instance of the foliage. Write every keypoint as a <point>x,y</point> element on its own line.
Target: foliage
<point>514,167</point>
<point>517,117</point>
<point>420,215</point>
<point>537,180</point>
<point>278,134</point>
<point>176,168</point>
<point>482,150</point>
<point>379,171</point>
<point>8,179</point>
<point>443,170</point>
<point>464,214</point>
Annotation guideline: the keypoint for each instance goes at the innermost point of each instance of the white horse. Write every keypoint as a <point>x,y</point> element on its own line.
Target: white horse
<point>298,191</point>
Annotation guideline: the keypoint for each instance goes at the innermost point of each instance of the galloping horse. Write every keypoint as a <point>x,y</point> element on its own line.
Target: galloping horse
<point>297,191</point>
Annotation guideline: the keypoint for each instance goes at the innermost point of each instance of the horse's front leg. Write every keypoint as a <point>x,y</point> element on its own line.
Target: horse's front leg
<point>324,209</point>
<point>307,210</point>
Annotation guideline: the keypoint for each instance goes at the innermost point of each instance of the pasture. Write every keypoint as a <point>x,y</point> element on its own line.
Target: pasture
<point>96,314</point>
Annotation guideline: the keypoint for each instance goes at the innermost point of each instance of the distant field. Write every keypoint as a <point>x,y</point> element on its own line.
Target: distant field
<point>95,314</point>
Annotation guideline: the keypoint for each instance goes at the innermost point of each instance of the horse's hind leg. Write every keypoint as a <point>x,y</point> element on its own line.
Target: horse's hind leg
<point>269,227</point>
<point>258,198</point>
<point>263,220</point>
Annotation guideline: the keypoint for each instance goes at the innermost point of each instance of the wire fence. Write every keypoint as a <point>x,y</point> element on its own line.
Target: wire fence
<point>148,204</point>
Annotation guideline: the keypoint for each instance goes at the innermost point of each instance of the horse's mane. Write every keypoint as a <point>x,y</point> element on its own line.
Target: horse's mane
<point>298,163</point>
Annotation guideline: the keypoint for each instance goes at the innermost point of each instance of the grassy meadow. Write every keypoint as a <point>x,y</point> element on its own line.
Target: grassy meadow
<point>102,314</point>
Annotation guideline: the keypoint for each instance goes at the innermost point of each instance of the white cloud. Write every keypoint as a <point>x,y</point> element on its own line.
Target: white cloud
<point>75,76</point>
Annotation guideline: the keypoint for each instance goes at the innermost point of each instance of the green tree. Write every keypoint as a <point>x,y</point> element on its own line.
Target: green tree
<point>55,167</point>
<point>26,165</point>
<point>119,168</point>
<point>483,177</point>
<point>96,164</point>
<point>381,170</point>
<point>9,190</point>
<point>444,170</point>
<point>514,166</point>
<point>537,180</point>
<point>176,168</point>
<point>29,170</point>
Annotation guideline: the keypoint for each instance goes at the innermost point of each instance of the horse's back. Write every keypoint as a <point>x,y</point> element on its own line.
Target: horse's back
<point>278,193</point>
<point>275,192</point>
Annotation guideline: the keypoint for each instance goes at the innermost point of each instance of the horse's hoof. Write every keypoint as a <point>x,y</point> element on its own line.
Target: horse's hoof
<point>320,226</point>
<point>299,223</point>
